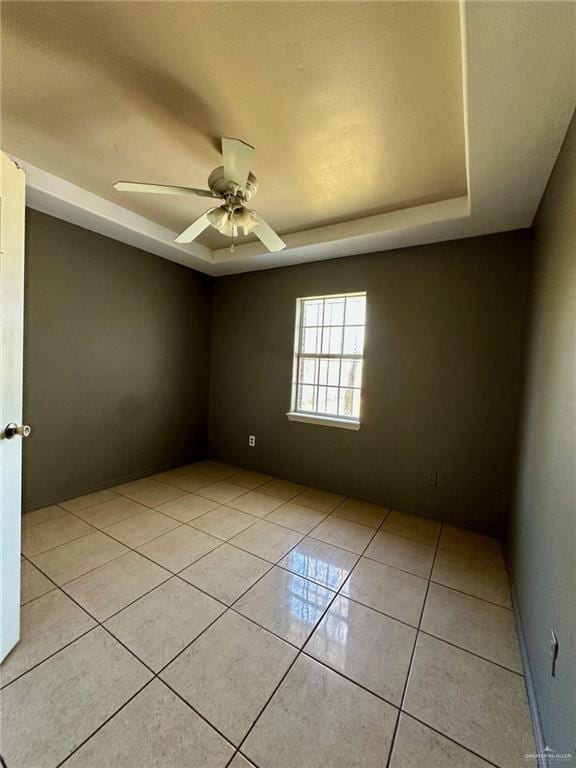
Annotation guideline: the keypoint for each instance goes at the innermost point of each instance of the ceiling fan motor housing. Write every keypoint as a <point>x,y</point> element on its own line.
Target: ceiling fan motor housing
<point>234,185</point>
<point>224,188</point>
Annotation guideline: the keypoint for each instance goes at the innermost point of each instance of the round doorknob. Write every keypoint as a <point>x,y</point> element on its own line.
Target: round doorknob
<point>13,430</point>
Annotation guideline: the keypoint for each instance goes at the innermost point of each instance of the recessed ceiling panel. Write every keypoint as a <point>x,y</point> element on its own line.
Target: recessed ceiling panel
<point>354,108</point>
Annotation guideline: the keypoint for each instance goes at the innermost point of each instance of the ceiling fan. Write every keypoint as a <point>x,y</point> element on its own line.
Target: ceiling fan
<point>234,185</point>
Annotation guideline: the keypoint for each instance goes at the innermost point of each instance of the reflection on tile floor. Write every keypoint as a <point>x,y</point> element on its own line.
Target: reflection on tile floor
<point>214,616</point>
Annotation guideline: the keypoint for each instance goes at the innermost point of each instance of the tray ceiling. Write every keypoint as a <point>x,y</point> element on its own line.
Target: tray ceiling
<point>355,108</point>
<point>378,125</point>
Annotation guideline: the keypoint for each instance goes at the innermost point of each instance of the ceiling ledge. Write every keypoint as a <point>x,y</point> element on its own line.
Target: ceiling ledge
<point>60,198</point>
<point>346,234</point>
<point>518,102</point>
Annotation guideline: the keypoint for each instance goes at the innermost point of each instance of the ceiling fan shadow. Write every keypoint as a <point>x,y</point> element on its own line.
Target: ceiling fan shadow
<point>113,54</point>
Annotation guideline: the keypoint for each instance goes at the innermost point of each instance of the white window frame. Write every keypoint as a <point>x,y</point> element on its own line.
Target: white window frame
<point>312,417</point>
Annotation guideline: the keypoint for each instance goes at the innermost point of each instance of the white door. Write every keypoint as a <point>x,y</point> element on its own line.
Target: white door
<point>12,205</point>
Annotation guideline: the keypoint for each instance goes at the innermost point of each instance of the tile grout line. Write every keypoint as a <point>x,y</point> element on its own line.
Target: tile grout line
<point>389,565</point>
<point>391,704</point>
<point>5,686</point>
<point>38,597</point>
<point>471,557</point>
<point>232,604</point>
<point>226,609</point>
<point>449,738</point>
<point>71,541</point>
<point>185,492</point>
<point>155,675</point>
<point>170,577</point>
<point>264,519</point>
<point>188,523</point>
<point>137,551</point>
<point>442,548</point>
<point>229,478</point>
<point>99,623</point>
<point>469,594</point>
<point>183,650</point>
<point>403,697</point>
<point>302,648</point>
<point>272,565</point>
<point>107,720</point>
<point>300,651</point>
<point>472,653</point>
<point>349,679</point>
<point>91,570</point>
<point>148,591</point>
<point>117,484</point>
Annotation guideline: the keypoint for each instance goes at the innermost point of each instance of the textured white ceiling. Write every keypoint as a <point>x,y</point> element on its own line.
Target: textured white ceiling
<point>519,85</point>
<point>354,108</point>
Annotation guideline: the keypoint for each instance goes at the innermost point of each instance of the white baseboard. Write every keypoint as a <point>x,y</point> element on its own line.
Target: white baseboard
<point>540,743</point>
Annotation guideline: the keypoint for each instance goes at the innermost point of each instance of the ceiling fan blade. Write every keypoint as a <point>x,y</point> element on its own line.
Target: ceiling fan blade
<point>195,229</point>
<point>160,189</point>
<point>237,160</point>
<point>266,234</point>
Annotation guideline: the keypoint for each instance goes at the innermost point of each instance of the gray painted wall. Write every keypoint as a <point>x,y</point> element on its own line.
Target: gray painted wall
<point>116,361</point>
<point>445,326</point>
<point>543,526</point>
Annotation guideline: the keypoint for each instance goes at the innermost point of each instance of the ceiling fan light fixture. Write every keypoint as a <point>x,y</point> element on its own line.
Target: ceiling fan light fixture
<point>234,184</point>
<point>228,220</point>
<point>245,218</point>
<point>229,228</point>
<point>218,217</point>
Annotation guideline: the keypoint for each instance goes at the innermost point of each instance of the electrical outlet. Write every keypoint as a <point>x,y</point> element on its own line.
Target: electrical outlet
<point>553,651</point>
<point>252,441</point>
<point>432,478</point>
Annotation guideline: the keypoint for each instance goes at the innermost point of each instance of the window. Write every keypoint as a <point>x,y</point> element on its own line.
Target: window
<point>328,356</point>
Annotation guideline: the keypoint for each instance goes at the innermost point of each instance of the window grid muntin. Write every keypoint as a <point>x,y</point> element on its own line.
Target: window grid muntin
<point>319,356</point>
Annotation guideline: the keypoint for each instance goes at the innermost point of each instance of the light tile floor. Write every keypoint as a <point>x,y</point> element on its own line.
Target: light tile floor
<point>212,616</point>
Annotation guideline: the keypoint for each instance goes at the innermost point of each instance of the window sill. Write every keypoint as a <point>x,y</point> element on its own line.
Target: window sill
<point>324,421</point>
